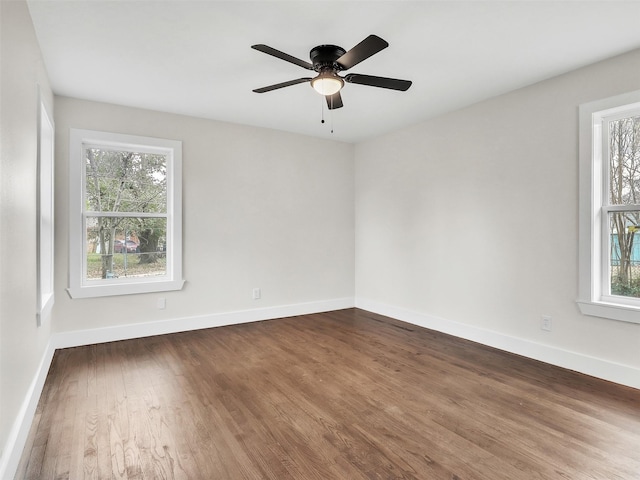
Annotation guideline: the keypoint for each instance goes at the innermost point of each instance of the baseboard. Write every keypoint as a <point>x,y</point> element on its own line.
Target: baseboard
<point>148,329</point>
<point>22,424</point>
<point>595,367</point>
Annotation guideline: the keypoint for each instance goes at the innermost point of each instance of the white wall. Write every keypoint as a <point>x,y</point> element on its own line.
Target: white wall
<point>261,209</point>
<point>469,222</point>
<point>22,343</point>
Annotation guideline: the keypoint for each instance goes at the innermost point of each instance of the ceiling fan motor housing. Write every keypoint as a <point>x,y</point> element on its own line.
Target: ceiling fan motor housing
<point>323,57</point>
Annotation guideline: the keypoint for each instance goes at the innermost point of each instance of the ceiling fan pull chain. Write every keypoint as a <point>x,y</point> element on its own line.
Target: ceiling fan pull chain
<point>331,113</point>
<point>322,111</point>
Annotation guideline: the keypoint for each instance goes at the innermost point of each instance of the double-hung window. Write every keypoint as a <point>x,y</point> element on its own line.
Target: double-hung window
<point>609,253</point>
<point>126,214</point>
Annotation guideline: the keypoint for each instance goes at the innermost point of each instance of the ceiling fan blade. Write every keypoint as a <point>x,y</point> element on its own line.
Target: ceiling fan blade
<point>334,101</point>
<point>382,82</point>
<point>282,85</point>
<point>282,56</point>
<point>369,46</point>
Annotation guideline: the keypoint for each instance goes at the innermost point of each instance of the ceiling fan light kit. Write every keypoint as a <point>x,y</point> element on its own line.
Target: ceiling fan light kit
<point>327,61</point>
<point>327,83</point>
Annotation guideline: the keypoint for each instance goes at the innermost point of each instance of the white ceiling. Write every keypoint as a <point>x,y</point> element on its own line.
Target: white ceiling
<point>194,57</point>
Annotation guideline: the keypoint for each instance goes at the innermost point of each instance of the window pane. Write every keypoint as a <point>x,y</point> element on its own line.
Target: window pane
<point>120,247</point>
<point>624,161</point>
<point>122,181</point>
<point>625,253</point>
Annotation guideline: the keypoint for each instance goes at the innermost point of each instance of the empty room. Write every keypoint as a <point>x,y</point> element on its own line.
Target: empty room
<point>319,240</point>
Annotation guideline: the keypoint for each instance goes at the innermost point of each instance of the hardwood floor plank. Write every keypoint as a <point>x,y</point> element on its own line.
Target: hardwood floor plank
<point>58,449</point>
<point>338,395</point>
<point>34,460</point>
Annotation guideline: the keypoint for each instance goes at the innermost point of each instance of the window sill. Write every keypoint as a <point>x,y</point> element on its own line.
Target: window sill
<point>623,313</point>
<point>91,291</point>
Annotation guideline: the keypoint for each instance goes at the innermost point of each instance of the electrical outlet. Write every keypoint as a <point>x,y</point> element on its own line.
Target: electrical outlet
<point>162,303</point>
<point>546,323</point>
<point>256,293</point>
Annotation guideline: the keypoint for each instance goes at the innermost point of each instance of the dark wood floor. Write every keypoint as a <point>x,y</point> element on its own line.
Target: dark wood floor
<point>340,395</point>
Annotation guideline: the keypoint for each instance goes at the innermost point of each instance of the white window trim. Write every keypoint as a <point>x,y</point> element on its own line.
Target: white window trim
<point>592,154</point>
<point>45,216</point>
<point>78,286</point>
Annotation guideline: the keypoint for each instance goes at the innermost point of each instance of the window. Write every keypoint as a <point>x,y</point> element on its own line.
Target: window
<point>45,233</point>
<point>609,254</point>
<point>126,214</point>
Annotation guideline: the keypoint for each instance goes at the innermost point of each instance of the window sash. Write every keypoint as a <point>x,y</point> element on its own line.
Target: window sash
<point>142,149</point>
<point>168,254</point>
<point>606,256</point>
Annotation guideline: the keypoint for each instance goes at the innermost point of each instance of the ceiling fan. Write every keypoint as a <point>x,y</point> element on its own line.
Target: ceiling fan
<point>327,61</point>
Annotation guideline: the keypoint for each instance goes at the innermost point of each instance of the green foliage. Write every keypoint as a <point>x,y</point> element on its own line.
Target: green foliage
<point>631,289</point>
<point>124,266</point>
